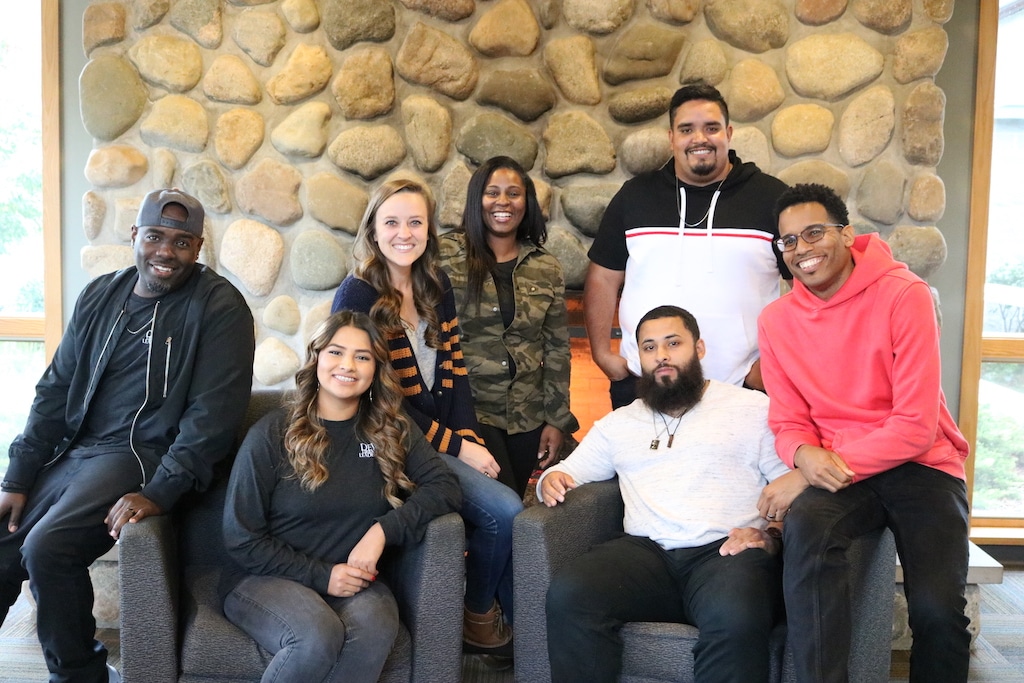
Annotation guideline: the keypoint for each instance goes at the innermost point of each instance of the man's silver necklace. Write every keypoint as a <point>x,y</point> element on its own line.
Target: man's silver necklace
<point>149,333</point>
<point>666,429</point>
<point>679,204</point>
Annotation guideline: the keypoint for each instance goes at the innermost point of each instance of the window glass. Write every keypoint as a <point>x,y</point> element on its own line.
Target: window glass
<point>999,453</point>
<point>21,365</point>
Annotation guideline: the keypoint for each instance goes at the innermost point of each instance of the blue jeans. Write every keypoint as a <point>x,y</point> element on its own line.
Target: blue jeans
<point>488,508</point>
<point>927,512</point>
<point>735,601</point>
<point>316,637</point>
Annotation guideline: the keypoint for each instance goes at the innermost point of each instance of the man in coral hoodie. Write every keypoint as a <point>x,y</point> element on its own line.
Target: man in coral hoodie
<point>850,360</point>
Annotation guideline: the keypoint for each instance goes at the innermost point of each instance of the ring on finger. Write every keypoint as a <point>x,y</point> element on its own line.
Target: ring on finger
<point>769,516</point>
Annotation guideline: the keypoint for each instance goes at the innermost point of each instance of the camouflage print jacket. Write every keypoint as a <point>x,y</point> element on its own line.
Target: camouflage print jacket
<point>537,340</point>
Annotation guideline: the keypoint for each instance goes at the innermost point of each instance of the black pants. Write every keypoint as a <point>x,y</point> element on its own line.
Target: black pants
<point>516,454</point>
<point>623,391</point>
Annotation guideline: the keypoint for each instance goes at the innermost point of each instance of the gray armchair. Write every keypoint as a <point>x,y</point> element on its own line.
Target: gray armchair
<point>173,628</point>
<point>544,539</point>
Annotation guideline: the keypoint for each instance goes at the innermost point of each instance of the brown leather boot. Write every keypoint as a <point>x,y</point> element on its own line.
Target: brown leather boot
<point>486,633</point>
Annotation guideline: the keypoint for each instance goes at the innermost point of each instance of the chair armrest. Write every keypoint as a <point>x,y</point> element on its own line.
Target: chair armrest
<point>148,577</point>
<point>872,584</point>
<point>428,581</point>
<point>543,541</point>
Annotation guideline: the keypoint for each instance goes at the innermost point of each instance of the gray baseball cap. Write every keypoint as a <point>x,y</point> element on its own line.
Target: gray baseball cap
<point>152,208</point>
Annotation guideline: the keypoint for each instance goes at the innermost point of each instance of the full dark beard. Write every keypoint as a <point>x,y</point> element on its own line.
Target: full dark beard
<point>672,397</point>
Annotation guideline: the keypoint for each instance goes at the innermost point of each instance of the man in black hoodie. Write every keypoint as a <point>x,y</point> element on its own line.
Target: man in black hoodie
<point>143,396</point>
<point>697,234</point>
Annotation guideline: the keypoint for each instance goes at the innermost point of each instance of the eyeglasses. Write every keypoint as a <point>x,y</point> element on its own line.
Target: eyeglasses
<point>810,234</point>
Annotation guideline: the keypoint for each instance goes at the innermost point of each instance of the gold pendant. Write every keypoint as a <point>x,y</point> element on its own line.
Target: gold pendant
<point>654,444</point>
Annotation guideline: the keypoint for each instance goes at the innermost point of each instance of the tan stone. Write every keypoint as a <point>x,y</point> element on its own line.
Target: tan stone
<point>270,191</point>
<point>751,25</point>
<point>750,144</point>
<point>260,34</point>
<point>164,165</point>
<point>105,258</point>
<point>919,54</point>
<point>802,129</point>
<point>453,195</point>
<point>314,316</point>
<point>145,13</point>
<point>921,247</point>
<point>525,93</point>
<point>200,19</point>
<point>817,171</point>
<point>674,11</point>
<point>645,150</point>
<point>126,210</point>
<point>548,12</point>
<point>282,315</point>
<point>253,253</point>
<point>94,210</point>
<point>939,10</point>
<point>818,12</point>
<point>170,63</point>
<point>230,80</point>
<point>102,24</point>
<point>640,104</point>
<point>489,134</point>
<point>301,15</point>
<point>543,197</point>
<point>866,126</point>
<point>880,195</point>
<point>923,113</point>
<point>367,150</point>
<point>115,166</point>
<point>336,203</point>
<point>508,29</point>
<point>927,198</point>
<point>112,96</point>
<point>573,65</point>
<point>449,10</point>
<point>274,362</point>
<point>428,131</point>
<point>754,90</point>
<point>643,51</point>
<point>365,85</point>
<point>318,261</point>
<point>884,16</point>
<point>576,143</point>
<point>436,60</point>
<point>176,121</point>
<point>828,66</point>
<point>236,137</point>
<point>204,181</point>
<point>705,61</point>
<point>306,73</point>
<point>304,132</point>
<point>599,17</point>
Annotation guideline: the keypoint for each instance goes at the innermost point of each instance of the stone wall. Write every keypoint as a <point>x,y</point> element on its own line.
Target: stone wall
<point>282,116</point>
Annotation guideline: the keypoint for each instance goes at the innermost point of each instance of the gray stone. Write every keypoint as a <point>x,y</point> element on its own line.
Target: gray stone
<point>270,191</point>
<point>145,13</point>
<point>488,134</point>
<point>260,34</point>
<point>428,131</point>
<point>336,203</point>
<point>230,80</point>
<point>817,171</point>
<point>318,261</point>
<point>102,24</point>
<point>105,258</point>
<point>569,251</point>
<point>802,129</point>
<point>866,126</point>
<point>126,210</point>
<point>674,11</point>
<point>304,132</point>
<point>171,63</point>
<point>599,17</point>
<point>584,205</point>
<point>643,51</point>
<point>237,135</point>
<point>347,22</point>
<point>927,198</point>
<point>751,25</point>
<point>641,104</point>
<point>274,362</point>
<point>365,85</point>
<point>252,252</point>
<point>525,93</point>
<point>830,66</point>
<point>923,112</point>
<point>164,165</point>
<point>705,61</point>
<point>301,15</point>
<point>508,29</point>
<point>453,196</point>
<point>449,10</point>
<point>200,19</point>
<point>434,59</point>
<point>880,195</point>
<point>314,317</point>
<point>921,247</point>
<point>819,12</point>
<point>204,181</point>
<point>250,3</point>
<point>94,210</point>
<point>113,96</point>
<point>307,72</point>
<point>367,151</point>
<point>919,54</point>
<point>115,166</point>
<point>884,16</point>
<point>547,12</point>
<point>176,121</point>
<point>282,315</point>
<point>573,65</point>
<point>105,580</point>
<point>750,144</point>
<point>754,90</point>
<point>543,197</point>
<point>939,10</point>
<point>645,150</point>
<point>576,143</point>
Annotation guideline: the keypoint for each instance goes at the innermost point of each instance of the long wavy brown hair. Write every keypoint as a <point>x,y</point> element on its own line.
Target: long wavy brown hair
<point>371,265</point>
<point>379,420</point>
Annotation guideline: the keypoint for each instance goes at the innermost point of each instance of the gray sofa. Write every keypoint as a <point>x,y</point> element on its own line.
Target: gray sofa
<point>544,539</point>
<point>173,629</point>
